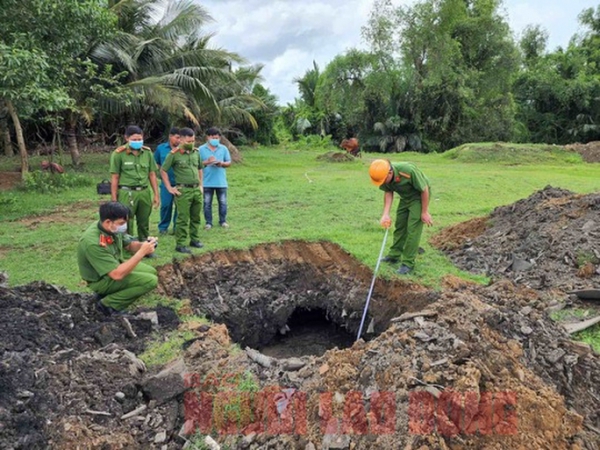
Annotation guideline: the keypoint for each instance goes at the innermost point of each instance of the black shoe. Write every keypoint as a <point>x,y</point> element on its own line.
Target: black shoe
<point>182,249</point>
<point>389,259</point>
<point>106,310</point>
<point>163,232</point>
<point>403,270</point>
<point>421,250</point>
<point>196,244</point>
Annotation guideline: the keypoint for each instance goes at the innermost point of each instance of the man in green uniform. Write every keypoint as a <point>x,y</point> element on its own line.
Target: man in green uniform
<point>186,164</point>
<point>132,166</point>
<point>413,211</point>
<point>116,281</point>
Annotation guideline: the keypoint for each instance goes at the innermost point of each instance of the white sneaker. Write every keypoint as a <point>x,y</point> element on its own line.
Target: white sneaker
<point>207,227</point>
<point>225,225</point>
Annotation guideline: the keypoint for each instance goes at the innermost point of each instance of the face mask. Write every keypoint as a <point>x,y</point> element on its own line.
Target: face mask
<point>121,228</point>
<point>188,147</point>
<point>214,142</point>
<point>136,145</point>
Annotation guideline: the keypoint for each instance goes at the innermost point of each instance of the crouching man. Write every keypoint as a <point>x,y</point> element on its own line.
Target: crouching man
<point>116,281</point>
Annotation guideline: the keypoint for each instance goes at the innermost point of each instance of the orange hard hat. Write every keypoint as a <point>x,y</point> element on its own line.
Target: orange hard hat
<point>379,170</point>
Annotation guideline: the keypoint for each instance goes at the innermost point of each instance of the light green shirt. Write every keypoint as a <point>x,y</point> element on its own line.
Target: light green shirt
<point>185,166</point>
<point>133,170</point>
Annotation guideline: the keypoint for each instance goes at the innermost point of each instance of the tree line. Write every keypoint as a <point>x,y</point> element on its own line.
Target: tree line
<point>436,74</point>
<point>440,73</point>
<point>79,70</point>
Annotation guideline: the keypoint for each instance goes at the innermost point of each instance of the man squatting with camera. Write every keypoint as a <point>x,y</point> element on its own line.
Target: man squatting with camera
<point>116,281</point>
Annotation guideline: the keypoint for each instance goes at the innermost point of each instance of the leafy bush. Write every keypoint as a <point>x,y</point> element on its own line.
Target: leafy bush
<point>8,200</point>
<point>314,141</point>
<point>47,183</point>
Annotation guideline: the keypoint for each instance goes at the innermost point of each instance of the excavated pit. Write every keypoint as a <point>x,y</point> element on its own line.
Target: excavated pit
<point>317,291</point>
<point>307,332</point>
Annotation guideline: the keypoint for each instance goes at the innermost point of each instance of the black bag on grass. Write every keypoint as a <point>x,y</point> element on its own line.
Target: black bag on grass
<point>103,188</point>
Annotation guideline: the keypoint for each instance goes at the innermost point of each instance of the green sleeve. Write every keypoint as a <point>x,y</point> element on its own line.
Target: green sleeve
<point>418,179</point>
<point>101,259</point>
<point>153,166</point>
<point>115,162</point>
<point>167,163</point>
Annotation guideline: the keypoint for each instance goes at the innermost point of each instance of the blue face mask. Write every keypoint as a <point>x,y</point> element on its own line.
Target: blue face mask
<point>136,145</point>
<point>121,228</point>
<point>214,142</point>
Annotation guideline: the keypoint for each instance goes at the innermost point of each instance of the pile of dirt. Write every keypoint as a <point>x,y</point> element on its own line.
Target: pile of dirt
<point>590,152</point>
<point>480,368</point>
<point>548,240</point>
<point>66,370</point>
<point>336,157</point>
<point>468,367</point>
<point>469,346</point>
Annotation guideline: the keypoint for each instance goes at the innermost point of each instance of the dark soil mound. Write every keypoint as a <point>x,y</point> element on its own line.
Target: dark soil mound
<point>548,240</point>
<point>61,359</point>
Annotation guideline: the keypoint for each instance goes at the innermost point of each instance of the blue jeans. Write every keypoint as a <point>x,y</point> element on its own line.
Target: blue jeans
<point>166,209</point>
<point>221,199</point>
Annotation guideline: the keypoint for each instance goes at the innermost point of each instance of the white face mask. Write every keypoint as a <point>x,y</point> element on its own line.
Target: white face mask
<point>121,228</point>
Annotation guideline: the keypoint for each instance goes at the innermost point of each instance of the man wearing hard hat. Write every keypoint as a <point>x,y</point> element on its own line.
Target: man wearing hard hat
<point>413,188</point>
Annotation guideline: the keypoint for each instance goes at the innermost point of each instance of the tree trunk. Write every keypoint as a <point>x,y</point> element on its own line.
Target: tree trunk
<point>70,129</point>
<point>235,154</point>
<point>20,140</point>
<point>6,141</point>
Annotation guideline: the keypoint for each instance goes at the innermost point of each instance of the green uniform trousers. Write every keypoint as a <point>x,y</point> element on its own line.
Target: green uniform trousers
<point>407,233</point>
<point>120,294</point>
<point>187,225</point>
<point>140,208</point>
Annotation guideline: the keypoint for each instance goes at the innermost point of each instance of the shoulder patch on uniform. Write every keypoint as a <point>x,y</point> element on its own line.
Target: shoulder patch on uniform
<point>405,175</point>
<point>121,148</point>
<point>175,150</point>
<point>146,148</point>
<point>105,240</point>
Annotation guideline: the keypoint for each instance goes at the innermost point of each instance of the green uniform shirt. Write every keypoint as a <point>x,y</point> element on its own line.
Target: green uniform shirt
<point>100,252</point>
<point>408,181</point>
<point>185,166</point>
<point>133,170</point>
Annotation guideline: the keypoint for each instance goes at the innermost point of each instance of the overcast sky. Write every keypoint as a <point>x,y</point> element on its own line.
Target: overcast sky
<point>287,35</point>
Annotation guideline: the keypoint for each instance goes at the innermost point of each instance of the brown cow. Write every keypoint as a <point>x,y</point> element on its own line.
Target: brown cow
<point>351,146</point>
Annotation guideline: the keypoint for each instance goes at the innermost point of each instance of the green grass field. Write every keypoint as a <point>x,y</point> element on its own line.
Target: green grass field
<point>284,192</point>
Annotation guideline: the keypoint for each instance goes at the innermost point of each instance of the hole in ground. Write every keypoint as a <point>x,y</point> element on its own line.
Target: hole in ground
<point>255,292</point>
<point>307,332</point>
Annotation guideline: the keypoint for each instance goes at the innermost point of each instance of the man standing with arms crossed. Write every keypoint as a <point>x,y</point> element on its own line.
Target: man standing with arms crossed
<point>166,198</point>
<point>132,166</point>
<point>185,161</point>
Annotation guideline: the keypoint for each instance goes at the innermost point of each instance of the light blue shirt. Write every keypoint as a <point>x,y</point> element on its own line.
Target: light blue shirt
<point>213,176</point>
<point>160,155</point>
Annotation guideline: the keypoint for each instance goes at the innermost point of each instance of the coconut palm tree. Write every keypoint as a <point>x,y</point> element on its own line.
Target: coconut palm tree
<point>168,62</point>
